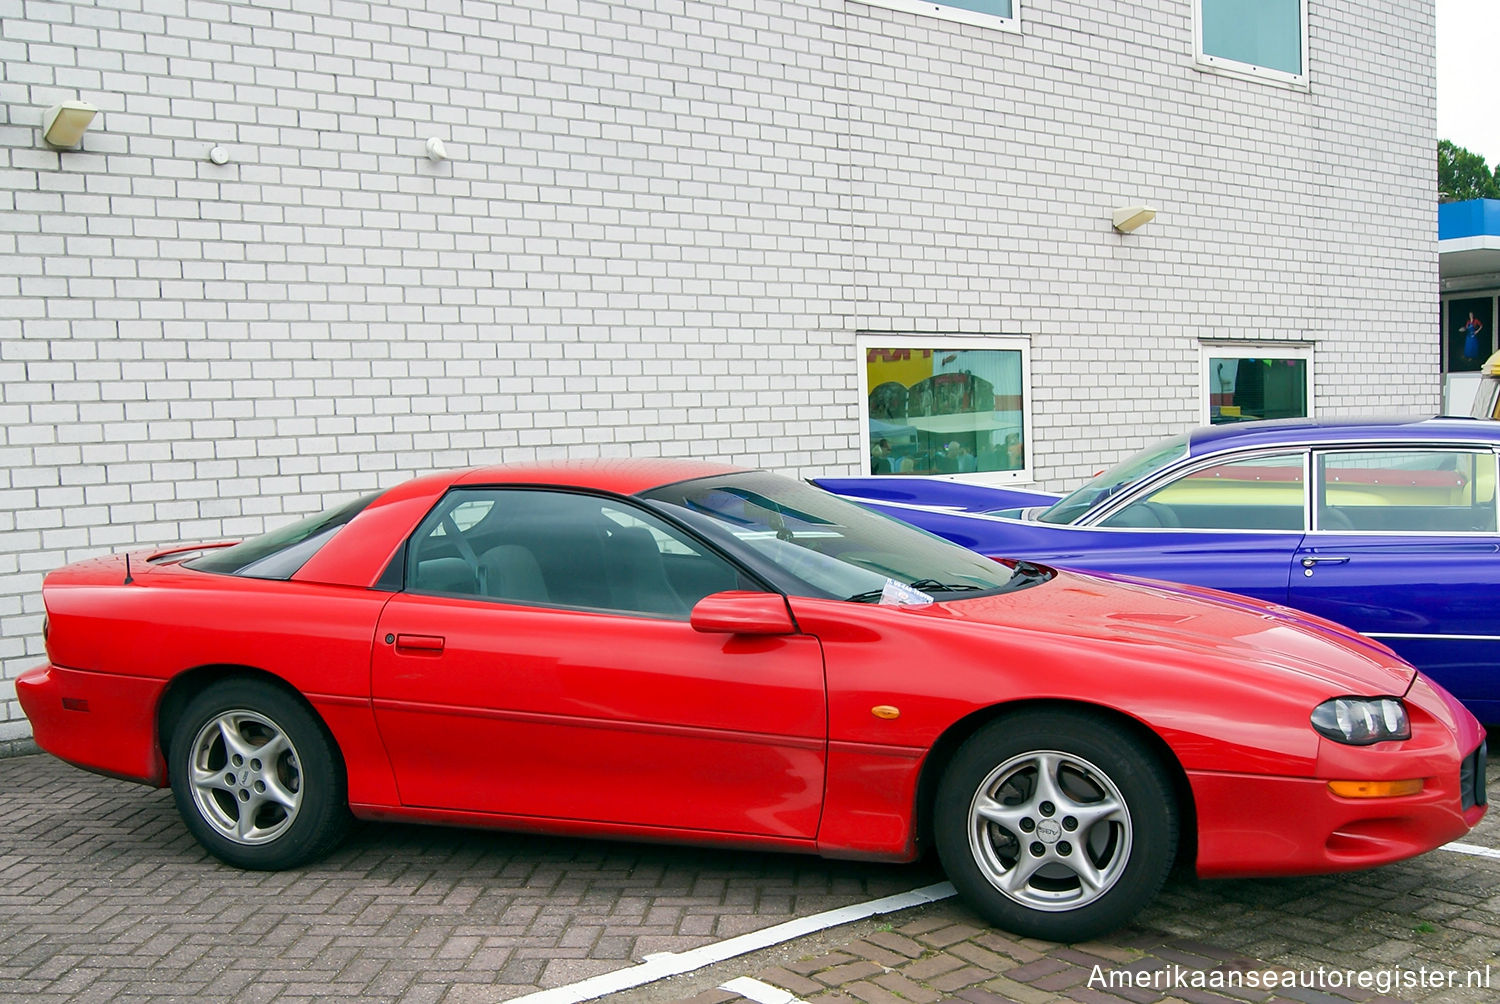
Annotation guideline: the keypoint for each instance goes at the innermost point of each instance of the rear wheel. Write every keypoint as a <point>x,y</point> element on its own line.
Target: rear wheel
<point>256,778</point>
<point>1056,825</point>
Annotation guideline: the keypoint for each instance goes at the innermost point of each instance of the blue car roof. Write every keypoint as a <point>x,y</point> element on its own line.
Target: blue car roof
<point>1303,431</point>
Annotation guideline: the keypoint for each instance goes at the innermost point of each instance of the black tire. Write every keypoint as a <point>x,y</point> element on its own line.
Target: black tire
<point>1069,862</point>
<point>265,812</point>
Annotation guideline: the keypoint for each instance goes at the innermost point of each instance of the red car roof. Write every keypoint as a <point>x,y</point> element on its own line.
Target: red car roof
<point>624,476</point>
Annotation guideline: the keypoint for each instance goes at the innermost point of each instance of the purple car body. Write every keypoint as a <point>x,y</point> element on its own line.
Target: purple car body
<point>1387,526</point>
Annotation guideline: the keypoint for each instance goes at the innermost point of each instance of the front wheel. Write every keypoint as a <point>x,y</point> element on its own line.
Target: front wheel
<point>1056,825</point>
<point>256,778</point>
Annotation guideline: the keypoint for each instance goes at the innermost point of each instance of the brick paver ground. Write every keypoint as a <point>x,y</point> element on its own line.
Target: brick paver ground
<point>103,896</point>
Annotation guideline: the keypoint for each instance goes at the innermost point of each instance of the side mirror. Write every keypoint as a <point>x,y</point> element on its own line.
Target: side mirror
<point>742,613</point>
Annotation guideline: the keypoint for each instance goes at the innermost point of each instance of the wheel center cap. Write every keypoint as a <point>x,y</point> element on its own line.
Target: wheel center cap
<point>245,779</point>
<point>1048,830</point>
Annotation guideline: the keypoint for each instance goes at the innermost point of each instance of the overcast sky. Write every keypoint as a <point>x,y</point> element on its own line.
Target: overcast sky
<point>1468,75</point>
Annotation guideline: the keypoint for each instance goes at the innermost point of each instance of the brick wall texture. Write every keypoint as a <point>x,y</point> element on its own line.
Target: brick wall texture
<point>661,228</point>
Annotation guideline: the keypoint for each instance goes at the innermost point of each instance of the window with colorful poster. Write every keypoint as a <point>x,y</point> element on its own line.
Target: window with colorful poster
<point>947,407</point>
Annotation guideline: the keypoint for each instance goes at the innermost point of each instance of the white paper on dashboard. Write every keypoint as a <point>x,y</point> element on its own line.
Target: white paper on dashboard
<point>900,594</point>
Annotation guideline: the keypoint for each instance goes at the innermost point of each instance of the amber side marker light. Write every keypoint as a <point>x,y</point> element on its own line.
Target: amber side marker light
<point>1375,789</point>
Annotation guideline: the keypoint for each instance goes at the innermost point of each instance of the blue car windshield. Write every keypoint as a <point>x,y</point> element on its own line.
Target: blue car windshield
<point>1070,508</point>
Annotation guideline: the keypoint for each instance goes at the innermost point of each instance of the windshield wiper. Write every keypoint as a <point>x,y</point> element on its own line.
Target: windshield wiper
<point>1026,574</point>
<point>926,585</point>
<point>934,586</point>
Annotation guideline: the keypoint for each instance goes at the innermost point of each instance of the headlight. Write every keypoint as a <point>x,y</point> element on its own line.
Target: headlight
<point>1360,721</point>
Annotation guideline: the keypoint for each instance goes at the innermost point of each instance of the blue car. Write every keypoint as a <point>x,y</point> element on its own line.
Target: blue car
<point>1386,526</point>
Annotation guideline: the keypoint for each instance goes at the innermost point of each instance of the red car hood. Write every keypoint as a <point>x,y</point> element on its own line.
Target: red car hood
<point>1189,624</point>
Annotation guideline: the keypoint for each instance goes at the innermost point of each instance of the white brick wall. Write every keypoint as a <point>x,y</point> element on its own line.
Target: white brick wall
<point>660,230</point>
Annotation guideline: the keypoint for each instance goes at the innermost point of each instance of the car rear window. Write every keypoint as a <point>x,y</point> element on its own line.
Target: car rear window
<point>278,554</point>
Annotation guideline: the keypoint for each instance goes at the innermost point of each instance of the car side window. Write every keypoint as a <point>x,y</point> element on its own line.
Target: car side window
<point>1420,490</point>
<point>568,549</point>
<point>1256,493</point>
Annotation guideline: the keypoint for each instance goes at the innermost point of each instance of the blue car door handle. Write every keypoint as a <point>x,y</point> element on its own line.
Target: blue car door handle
<point>1330,559</point>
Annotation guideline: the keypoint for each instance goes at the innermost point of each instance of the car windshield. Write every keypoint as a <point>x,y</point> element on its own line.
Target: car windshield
<point>1070,507</point>
<point>278,554</point>
<point>811,543</point>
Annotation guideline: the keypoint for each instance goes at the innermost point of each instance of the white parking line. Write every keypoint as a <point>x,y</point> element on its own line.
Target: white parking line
<point>664,964</point>
<point>760,993</point>
<point>1474,849</point>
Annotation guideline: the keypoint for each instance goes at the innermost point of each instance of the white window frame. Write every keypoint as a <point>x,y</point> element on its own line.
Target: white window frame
<point>1246,350</point>
<point>947,343</point>
<point>1249,71</point>
<point>932,8</point>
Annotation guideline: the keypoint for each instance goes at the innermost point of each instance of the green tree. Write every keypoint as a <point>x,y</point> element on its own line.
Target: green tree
<point>1465,175</point>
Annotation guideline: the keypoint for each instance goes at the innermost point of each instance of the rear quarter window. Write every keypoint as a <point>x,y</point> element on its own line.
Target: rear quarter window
<point>278,554</point>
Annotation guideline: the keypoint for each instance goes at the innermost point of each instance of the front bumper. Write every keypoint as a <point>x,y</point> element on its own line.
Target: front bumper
<point>1264,825</point>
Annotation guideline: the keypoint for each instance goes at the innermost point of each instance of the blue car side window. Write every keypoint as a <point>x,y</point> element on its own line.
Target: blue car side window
<point>1406,491</point>
<point>1256,493</point>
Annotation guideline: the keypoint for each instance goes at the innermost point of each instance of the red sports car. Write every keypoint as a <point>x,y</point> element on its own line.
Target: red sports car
<point>685,651</point>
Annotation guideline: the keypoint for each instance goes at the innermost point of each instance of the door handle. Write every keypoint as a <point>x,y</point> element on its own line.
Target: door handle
<point>1309,562</point>
<point>423,643</point>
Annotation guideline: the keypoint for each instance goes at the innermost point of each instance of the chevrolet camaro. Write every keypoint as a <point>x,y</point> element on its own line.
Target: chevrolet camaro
<point>681,651</point>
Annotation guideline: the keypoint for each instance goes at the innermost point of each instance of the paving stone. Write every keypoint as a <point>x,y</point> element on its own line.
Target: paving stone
<point>813,964</point>
<point>950,934</point>
<point>789,981</point>
<point>838,976</point>
<point>898,943</point>
<point>1008,991</point>
<point>867,949</point>
<point>1011,947</point>
<point>907,989</point>
<point>1063,979</point>
<point>931,966</point>
<point>957,979</point>
<point>872,993</point>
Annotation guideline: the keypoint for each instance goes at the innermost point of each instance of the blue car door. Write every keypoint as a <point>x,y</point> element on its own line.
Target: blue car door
<point>1251,563</point>
<point>1229,524</point>
<point>1404,549</point>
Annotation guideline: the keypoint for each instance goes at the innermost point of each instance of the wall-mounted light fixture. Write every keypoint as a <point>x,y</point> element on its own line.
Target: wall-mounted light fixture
<point>63,125</point>
<point>1131,217</point>
<point>436,151</point>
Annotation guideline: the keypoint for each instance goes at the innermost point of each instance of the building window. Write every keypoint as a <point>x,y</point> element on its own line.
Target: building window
<point>1470,336</point>
<point>1003,14</point>
<point>1245,383</point>
<point>947,407</point>
<point>1261,38</point>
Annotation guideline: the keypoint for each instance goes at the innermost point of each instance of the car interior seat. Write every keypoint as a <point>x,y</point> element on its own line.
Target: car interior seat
<point>637,576</point>
<point>512,573</point>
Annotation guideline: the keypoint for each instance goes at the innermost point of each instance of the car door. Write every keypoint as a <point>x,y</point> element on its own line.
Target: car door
<point>539,663</point>
<point>1227,524</point>
<point>1404,549</point>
